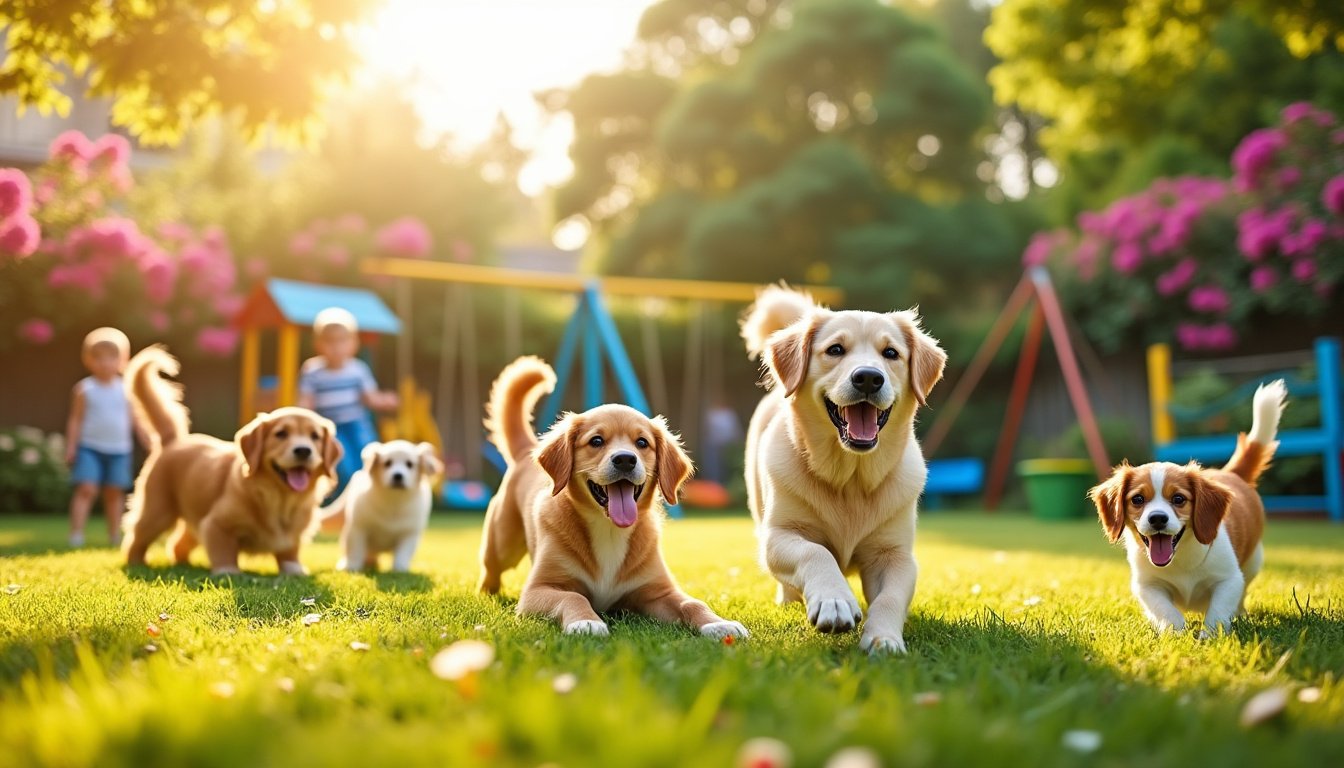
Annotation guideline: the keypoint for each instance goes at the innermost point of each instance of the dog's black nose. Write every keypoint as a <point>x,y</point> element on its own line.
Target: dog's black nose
<point>867,380</point>
<point>1158,520</point>
<point>303,451</point>
<point>624,461</point>
<point>397,479</point>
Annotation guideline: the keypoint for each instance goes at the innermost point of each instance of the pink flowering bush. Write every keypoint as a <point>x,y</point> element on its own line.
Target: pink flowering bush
<point>1194,260</point>
<point>329,250</point>
<point>70,261</point>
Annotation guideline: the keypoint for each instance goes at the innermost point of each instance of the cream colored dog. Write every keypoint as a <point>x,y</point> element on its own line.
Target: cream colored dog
<point>833,469</point>
<point>385,507</point>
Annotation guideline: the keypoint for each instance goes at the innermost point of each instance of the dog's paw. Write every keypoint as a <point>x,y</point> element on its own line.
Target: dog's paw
<point>587,627</point>
<point>293,568</point>
<point>834,614</point>
<point>724,629</point>
<point>883,645</point>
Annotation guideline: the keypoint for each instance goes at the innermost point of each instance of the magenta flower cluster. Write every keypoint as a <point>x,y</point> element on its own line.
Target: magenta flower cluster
<point>1199,256</point>
<point>328,250</point>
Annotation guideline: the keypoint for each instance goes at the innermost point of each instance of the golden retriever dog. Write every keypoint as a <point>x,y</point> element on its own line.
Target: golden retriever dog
<point>385,506</point>
<point>1157,504</point>
<point>833,469</point>
<point>255,494</point>
<point>584,504</point>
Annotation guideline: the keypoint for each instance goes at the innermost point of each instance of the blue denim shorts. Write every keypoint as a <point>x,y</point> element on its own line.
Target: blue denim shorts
<point>101,469</point>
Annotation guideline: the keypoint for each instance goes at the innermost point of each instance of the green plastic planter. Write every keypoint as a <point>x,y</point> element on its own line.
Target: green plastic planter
<point>1057,488</point>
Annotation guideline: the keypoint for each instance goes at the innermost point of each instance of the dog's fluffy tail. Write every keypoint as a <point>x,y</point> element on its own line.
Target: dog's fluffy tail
<point>157,402</point>
<point>1256,448</point>
<point>331,518</point>
<point>508,415</point>
<point>776,307</point>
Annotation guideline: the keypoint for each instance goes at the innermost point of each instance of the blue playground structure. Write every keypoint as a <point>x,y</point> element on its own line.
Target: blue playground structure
<point>1325,440</point>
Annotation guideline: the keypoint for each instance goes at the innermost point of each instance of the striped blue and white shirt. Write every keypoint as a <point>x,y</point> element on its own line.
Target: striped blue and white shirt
<point>338,393</point>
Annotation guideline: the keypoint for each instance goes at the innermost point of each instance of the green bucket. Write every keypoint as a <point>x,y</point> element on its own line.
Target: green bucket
<point>1057,488</point>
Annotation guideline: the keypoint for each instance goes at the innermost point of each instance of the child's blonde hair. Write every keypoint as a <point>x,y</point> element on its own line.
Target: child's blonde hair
<point>107,335</point>
<point>335,317</point>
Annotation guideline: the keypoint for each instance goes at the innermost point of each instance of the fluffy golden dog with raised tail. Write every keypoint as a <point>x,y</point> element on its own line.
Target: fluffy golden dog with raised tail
<point>1156,505</point>
<point>834,472</point>
<point>584,503</point>
<point>255,494</point>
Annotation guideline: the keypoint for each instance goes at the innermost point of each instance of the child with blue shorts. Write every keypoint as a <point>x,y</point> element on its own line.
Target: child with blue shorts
<point>341,387</point>
<point>98,435</point>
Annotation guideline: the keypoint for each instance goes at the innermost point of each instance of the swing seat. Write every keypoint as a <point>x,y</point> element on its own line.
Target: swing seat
<point>952,476</point>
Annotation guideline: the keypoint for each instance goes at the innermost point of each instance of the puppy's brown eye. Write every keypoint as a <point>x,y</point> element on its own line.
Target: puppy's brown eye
<point>890,353</point>
<point>387,463</point>
<point>315,436</point>
<point>281,434</point>
<point>1177,499</point>
<point>597,441</point>
<point>641,443</point>
<point>1137,499</point>
<point>835,350</point>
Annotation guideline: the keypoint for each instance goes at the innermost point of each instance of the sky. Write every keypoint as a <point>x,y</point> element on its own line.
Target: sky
<point>470,60</point>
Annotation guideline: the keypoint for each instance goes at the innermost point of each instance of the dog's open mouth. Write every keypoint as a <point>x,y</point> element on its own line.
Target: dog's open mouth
<point>1161,547</point>
<point>618,499</point>
<point>858,424</point>
<point>297,478</point>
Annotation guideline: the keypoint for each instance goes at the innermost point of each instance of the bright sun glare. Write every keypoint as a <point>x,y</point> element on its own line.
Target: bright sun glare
<point>470,60</point>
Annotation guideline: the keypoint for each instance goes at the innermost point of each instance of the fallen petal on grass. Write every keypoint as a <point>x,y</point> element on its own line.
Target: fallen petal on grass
<point>164,617</point>
<point>854,757</point>
<point>1032,601</point>
<point>461,659</point>
<point>1309,695</point>
<point>1082,742</point>
<point>1264,706</point>
<point>222,689</point>
<point>12,589</point>
<point>285,684</point>
<point>308,602</point>
<point>356,645</point>
<point>928,699</point>
<point>311,619</point>
<point>564,683</point>
<point>764,752</point>
<point>151,648</point>
<point>153,629</point>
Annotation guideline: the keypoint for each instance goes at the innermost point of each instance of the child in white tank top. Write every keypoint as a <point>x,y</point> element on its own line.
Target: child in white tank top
<point>98,435</point>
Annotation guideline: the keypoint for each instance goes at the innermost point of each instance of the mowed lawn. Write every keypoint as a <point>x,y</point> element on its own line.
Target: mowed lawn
<point>1022,633</point>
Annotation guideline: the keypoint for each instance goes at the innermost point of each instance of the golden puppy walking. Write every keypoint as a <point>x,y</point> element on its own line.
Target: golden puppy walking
<point>833,469</point>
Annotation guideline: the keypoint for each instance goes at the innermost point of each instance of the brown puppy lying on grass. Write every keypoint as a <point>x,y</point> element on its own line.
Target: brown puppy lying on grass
<point>255,494</point>
<point>584,504</point>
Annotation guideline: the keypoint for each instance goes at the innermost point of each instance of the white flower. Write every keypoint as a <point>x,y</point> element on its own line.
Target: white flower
<point>29,456</point>
<point>461,659</point>
<point>1082,742</point>
<point>311,619</point>
<point>6,442</point>
<point>356,645</point>
<point>564,683</point>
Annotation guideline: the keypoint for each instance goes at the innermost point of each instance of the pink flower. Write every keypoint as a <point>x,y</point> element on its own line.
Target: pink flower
<point>303,243</point>
<point>1037,252</point>
<point>1305,110</point>
<point>1304,270</point>
<point>219,342</point>
<point>158,320</point>
<point>462,251</point>
<point>111,150</point>
<point>36,331</point>
<point>1216,336</point>
<point>84,277</point>
<point>16,193</point>
<point>338,255</point>
<point>196,258</point>
<point>407,236</point>
<point>256,268</point>
<point>71,147</point>
<point>1209,298</point>
<point>1255,154</point>
<point>351,224</point>
<point>1259,234</point>
<point>1332,195</point>
<point>1312,234</point>
<point>228,305</point>
<point>1288,177</point>
<point>1176,278</point>
<point>19,236</point>
<point>160,275</point>
<point>1127,258</point>
<point>1263,278</point>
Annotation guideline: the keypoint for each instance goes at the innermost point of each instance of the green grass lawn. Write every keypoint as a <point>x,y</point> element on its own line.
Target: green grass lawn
<point>1021,630</point>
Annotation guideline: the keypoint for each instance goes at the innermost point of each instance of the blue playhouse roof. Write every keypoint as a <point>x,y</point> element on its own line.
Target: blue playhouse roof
<point>298,304</point>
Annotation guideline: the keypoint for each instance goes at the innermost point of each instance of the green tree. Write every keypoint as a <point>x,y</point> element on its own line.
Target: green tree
<point>166,64</point>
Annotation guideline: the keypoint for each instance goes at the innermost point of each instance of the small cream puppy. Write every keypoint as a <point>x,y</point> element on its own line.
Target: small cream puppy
<point>385,507</point>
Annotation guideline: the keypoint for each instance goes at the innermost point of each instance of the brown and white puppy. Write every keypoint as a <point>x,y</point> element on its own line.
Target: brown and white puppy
<point>1156,505</point>
<point>385,506</point>
<point>584,503</point>
<point>255,494</point>
<point>833,469</point>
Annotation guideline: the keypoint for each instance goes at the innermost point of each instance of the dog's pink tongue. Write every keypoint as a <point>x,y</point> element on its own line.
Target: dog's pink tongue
<point>621,503</point>
<point>861,421</point>
<point>298,478</point>
<point>1160,549</point>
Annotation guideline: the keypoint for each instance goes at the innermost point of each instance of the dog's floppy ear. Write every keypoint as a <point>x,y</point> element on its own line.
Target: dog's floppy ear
<point>788,352</point>
<point>369,456</point>
<point>332,450</point>
<point>430,466</point>
<point>251,441</point>
<point>1209,502</point>
<point>927,359</point>
<point>1110,500</point>
<point>674,466</point>
<point>555,452</point>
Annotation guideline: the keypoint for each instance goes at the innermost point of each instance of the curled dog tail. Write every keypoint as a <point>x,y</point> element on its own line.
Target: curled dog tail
<point>157,402</point>
<point>508,415</point>
<point>776,307</point>
<point>1256,448</point>
<point>331,518</point>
